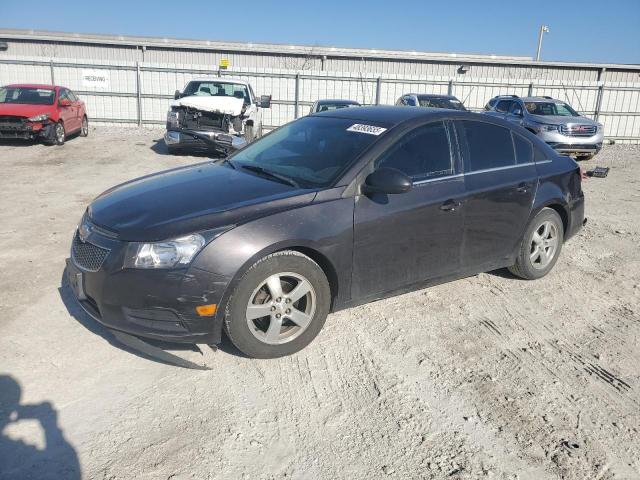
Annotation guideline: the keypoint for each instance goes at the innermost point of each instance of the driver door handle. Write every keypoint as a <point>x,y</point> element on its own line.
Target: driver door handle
<point>450,205</point>
<point>523,188</point>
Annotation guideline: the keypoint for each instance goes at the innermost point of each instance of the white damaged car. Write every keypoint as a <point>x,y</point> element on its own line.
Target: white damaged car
<point>213,113</point>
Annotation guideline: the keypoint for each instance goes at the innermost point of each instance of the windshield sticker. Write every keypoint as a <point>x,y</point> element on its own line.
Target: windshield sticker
<point>370,129</point>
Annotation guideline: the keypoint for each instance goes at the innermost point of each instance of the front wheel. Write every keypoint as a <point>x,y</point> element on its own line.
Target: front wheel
<point>540,246</point>
<point>58,135</point>
<point>279,305</point>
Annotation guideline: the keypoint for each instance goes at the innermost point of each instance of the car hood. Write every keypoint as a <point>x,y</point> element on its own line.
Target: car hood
<point>24,110</point>
<point>562,120</point>
<point>190,199</point>
<point>225,105</point>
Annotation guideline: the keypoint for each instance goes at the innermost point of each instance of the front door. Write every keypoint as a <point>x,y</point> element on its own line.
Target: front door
<point>410,237</point>
<point>500,189</point>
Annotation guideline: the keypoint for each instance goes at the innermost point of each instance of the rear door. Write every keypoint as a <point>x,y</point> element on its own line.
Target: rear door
<point>500,189</point>
<point>406,238</point>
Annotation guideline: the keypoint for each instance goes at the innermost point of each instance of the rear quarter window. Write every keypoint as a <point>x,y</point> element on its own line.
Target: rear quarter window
<point>485,146</point>
<point>524,149</point>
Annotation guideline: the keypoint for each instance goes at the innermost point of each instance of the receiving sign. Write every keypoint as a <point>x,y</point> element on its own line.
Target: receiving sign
<point>95,79</point>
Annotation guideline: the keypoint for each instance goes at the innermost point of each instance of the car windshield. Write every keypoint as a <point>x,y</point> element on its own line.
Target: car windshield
<point>214,88</point>
<point>441,102</point>
<point>27,95</point>
<point>551,108</point>
<point>312,152</point>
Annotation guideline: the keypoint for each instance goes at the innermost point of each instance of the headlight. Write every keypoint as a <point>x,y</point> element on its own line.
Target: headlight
<point>545,127</point>
<point>39,118</point>
<point>169,254</point>
<point>172,118</point>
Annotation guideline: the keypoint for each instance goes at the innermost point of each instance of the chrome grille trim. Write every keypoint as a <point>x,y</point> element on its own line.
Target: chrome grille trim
<point>578,130</point>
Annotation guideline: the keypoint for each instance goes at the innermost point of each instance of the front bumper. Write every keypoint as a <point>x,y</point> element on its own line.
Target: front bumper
<point>158,304</point>
<point>22,130</point>
<point>220,142</point>
<point>573,144</point>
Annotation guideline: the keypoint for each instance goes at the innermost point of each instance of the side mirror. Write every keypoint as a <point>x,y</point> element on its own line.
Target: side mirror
<point>64,102</point>
<point>517,112</point>
<point>176,95</point>
<point>265,101</point>
<point>387,180</point>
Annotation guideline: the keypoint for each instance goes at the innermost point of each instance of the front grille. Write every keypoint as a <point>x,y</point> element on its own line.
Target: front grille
<point>578,130</point>
<point>86,255</point>
<point>10,123</point>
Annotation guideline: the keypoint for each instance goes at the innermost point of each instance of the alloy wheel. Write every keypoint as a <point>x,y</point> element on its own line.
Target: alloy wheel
<point>281,308</point>
<point>60,133</point>
<point>544,244</point>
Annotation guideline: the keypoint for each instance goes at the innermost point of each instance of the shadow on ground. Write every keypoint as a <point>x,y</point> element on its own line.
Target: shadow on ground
<point>18,459</point>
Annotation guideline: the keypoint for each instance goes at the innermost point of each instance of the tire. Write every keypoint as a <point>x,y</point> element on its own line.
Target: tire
<point>288,324</point>
<point>541,246</point>
<point>585,157</point>
<point>84,127</point>
<point>58,134</point>
<point>249,133</point>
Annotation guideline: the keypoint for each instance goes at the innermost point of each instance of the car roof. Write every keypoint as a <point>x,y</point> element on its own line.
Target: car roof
<point>527,99</point>
<point>33,85</point>
<point>336,100</point>
<point>237,81</point>
<point>392,115</point>
<point>431,95</point>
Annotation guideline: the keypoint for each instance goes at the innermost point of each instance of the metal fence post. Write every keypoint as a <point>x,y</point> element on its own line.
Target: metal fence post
<point>596,113</point>
<point>296,100</point>
<point>530,91</point>
<point>378,89</point>
<point>450,87</point>
<point>138,94</point>
<point>53,77</point>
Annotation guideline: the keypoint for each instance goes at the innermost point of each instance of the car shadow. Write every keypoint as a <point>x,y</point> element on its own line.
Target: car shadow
<point>18,143</point>
<point>504,273</point>
<point>58,459</point>
<point>154,350</point>
<point>160,147</point>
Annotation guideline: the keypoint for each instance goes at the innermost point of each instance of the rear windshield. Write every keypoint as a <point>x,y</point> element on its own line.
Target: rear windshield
<point>324,107</point>
<point>28,96</point>
<point>436,102</point>
<point>312,151</point>
<point>550,108</point>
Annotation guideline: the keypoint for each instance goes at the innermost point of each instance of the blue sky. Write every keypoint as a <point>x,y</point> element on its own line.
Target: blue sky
<point>581,30</point>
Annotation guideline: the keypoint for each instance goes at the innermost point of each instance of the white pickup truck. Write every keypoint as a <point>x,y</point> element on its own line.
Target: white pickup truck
<point>214,113</point>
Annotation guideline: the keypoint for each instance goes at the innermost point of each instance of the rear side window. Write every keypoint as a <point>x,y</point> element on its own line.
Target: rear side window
<point>524,149</point>
<point>421,154</point>
<point>485,146</point>
<point>490,104</point>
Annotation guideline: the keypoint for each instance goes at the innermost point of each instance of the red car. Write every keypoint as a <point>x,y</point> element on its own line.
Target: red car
<point>45,112</point>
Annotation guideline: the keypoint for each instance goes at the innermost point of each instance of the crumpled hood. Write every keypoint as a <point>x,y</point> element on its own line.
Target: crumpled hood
<point>562,120</point>
<point>227,105</point>
<point>190,199</point>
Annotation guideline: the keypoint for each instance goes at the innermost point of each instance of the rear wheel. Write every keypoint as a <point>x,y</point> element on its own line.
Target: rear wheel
<point>84,127</point>
<point>540,246</point>
<point>279,306</point>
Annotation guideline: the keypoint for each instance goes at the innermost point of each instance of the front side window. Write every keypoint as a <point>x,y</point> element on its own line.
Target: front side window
<point>312,151</point>
<point>503,106</point>
<point>421,154</point>
<point>28,96</point>
<point>214,88</point>
<point>485,146</point>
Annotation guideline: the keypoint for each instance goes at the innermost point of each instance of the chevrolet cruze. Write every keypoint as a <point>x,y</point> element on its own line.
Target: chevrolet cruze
<point>330,211</point>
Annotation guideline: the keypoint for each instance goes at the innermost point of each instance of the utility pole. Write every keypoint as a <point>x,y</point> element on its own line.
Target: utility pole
<point>543,29</point>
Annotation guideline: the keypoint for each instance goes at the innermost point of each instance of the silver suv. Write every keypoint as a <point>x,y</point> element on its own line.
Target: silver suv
<point>554,121</point>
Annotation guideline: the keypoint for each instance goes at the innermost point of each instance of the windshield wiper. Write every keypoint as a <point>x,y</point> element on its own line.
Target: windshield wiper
<point>270,174</point>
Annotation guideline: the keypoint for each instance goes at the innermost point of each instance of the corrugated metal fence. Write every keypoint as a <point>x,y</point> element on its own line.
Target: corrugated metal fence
<point>136,93</point>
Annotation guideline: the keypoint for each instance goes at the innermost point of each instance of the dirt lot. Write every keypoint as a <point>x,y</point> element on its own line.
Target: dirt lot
<point>487,377</point>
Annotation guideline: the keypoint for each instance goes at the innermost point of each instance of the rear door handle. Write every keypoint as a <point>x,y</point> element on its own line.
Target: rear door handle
<point>523,188</point>
<point>450,205</point>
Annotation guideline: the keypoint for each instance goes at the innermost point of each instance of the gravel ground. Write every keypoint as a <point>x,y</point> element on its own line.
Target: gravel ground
<point>486,377</point>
